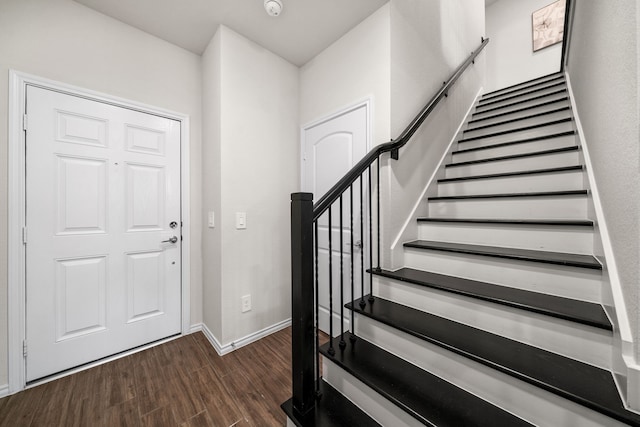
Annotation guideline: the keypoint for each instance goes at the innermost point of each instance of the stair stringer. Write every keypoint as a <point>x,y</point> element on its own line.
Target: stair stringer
<point>409,229</point>
<point>625,367</point>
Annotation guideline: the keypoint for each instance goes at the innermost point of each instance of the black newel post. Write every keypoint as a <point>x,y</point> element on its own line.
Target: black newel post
<point>302,308</point>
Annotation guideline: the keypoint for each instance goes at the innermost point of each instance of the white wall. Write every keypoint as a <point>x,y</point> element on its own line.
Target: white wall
<point>64,41</point>
<point>510,56</point>
<point>603,68</point>
<point>259,169</point>
<point>429,40</point>
<point>354,67</point>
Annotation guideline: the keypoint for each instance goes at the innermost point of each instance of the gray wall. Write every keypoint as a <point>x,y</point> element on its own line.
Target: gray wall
<point>603,69</point>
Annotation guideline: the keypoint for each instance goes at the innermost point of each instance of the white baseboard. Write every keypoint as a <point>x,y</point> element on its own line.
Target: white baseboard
<point>195,328</point>
<point>223,349</point>
<point>4,390</point>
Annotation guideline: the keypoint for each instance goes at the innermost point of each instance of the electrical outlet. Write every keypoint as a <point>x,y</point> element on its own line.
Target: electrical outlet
<point>246,303</point>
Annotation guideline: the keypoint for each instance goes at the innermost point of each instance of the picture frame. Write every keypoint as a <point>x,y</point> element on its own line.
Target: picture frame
<point>547,25</point>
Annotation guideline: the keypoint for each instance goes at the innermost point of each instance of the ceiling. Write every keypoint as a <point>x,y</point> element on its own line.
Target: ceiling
<point>304,29</point>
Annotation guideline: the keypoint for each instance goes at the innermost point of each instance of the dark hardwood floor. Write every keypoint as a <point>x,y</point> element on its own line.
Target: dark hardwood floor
<point>180,383</point>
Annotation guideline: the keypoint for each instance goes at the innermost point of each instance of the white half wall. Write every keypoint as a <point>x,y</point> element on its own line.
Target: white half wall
<point>510,55</point>
<point>251,99</point>
<point>64,41</point>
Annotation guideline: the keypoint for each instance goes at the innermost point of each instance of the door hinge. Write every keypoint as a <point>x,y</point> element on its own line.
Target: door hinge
<point>24,122</point>
<point>24,348</point>
<point>24,235</point>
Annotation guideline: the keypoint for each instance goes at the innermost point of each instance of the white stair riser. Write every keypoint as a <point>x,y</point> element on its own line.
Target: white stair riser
<point>525,85</point>
<point>556,207</point>
<point>514,115</point>
<point>364,397</point>
<point>537,406</point>
<point>519,135</point>
<point>527,90</point>
<point>495,110</point>
<point>532,121</point>
<point>557,181</point>
<point>545,161</point>
<point>521,148</point>
<point>571,239</point>
<point>587,344</point>
<point>578,283</point>
<point>519,98</point>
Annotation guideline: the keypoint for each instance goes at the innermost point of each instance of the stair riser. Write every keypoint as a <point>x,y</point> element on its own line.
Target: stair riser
<point>532,121</point>
<point>531,403</point>
<point>525,85</point>
<point>579,342</point>
<point>521,148</point>
<point>492,110</point>
<point>568,239</point>
<point>367,399</point>
<point>518,135</point>
<point>511,207</point>
<point>526,183</point>
<point>518,114</point>
<point>571,282</point>
<point>524,91</point>
<point>520,98</point>
<point>534,162</point>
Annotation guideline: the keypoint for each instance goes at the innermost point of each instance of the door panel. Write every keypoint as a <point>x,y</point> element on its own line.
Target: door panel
<point>331,149</point>
<point>103,184</point>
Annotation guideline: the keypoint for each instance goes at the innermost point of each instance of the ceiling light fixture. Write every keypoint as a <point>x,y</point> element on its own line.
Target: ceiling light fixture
<point>273,7</point>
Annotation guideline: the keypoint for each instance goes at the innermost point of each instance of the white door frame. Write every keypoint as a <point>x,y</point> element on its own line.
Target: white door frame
<point>16,302</point>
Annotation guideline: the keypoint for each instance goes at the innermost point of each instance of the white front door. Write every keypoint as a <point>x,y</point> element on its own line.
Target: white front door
<point>103,207</point>
<point>330,149</point>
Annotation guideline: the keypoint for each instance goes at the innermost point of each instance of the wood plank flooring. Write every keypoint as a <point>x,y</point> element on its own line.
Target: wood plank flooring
<point>180,383</point>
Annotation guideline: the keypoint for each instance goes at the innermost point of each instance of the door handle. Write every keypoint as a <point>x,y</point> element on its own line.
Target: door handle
<point>358,244</point>
<point>174,239</point>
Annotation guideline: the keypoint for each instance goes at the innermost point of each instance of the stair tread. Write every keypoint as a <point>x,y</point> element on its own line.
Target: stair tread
<point>520,129</point>
<point>517,173</point>
<point>518,119</point>
<point>332,410</point>
<point>513,195</point>
<point>519,110</point>
<point>585,384</point>
<point>557,258</point>
<point>514,156</point>
<point>426,397</point>
<point>559,222</point>
<point>582,312</point>
<point>511,95</point>
<point>551,76</point>
<point>533,98</point>
<point>519,141</point>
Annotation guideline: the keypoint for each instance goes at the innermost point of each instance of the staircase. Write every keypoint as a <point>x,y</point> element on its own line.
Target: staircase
<point>496,318</point>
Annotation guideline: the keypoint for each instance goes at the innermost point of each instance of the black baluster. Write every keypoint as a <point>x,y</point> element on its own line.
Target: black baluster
<point>342,343</point>
<point>370,240</point>
<point>362,303</point>
<point>317,283</point>
<point>331,350</point>
<point>352,337</point>
<point>378,200</point>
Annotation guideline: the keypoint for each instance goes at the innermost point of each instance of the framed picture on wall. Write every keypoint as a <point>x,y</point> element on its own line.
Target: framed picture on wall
<point>548,25</point>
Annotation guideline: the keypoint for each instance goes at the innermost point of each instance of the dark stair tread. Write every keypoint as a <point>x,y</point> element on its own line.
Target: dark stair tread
<point>559,222</point>
<point>518,119</point>
<point>331,410</point>
<point>519,110</point>
<point>556,258</point>
<point>515,156</point>
<point>492,100</point>
<point>531,82</point>
<point>518,141</point>
<point>533,98</point>
<point>585,384</point>
<point>582,312</point>
<point>520,129</point>
<point>513,195</point>
<point>517,173</point>
<point>428,398</point>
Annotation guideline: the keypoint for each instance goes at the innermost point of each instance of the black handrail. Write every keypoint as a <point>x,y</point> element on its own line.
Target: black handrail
<point>394,145</point>
<point>566,34</point>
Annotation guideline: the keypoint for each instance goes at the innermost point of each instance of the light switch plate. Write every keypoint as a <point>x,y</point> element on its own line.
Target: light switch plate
<point>241,220</point>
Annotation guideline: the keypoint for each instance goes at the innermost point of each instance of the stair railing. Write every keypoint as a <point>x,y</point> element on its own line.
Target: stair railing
<point>304,252</point>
